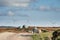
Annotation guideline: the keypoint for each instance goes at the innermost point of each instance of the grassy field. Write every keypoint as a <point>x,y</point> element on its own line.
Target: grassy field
<point>42,36</point>
<point>45,35</point>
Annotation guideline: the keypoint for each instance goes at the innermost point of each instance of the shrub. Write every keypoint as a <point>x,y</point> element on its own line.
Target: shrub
<point>44,30</point>
<point>56,34</point>
<point>23,26</point>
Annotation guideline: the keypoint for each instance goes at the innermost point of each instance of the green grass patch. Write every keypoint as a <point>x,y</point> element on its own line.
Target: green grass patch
<point>42,36</point>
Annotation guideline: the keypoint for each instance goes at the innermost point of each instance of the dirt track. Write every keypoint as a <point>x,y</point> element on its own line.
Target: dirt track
<point>14,36</point>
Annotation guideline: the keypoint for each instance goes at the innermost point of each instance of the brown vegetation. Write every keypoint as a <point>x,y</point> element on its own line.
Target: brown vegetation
<point>29,28</point>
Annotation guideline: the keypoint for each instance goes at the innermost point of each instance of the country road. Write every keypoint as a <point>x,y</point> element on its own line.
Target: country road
<point>15,36</point>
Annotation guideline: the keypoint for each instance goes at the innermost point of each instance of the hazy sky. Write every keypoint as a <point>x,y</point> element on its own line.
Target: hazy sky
<point>30,12</point>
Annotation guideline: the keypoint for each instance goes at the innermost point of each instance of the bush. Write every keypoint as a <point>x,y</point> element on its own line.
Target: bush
<point>44,30</point>
<point>23,27</point>
<point>56,34</point>
<point>58,38</point>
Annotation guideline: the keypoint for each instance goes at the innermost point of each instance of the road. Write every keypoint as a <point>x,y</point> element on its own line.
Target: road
<point>15,36</point>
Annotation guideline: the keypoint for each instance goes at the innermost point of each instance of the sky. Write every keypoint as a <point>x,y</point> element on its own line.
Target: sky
<point>30,12</point>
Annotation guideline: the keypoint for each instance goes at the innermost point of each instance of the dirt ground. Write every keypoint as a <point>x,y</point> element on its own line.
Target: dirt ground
<point>15,36</point>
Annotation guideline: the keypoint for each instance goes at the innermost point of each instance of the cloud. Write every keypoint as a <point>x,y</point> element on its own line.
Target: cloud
<point>49,8</point>
<point>17,3</point>
<point>23,15</point>
<point>2,14</point>
<point>55,9</point>
<point>10,13</point>
<point>44,8</point>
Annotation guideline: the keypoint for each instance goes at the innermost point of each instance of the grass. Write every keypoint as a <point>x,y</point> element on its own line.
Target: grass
<point>46,34</point>
<point>42,36</point>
